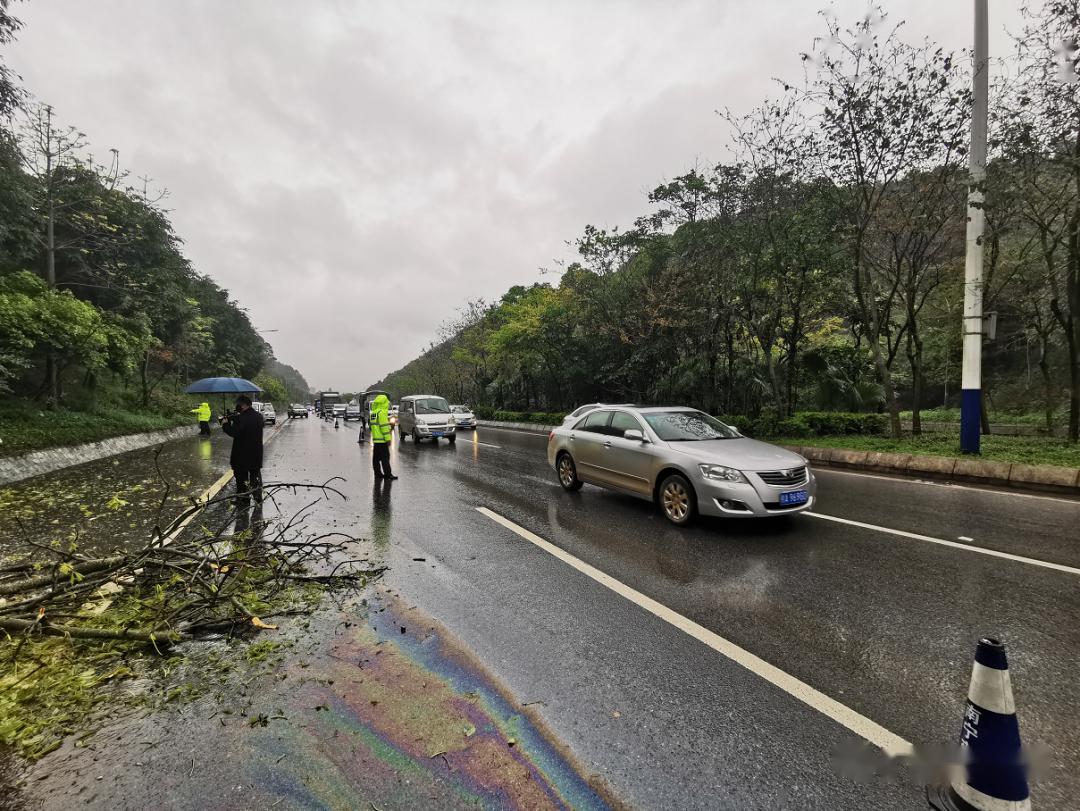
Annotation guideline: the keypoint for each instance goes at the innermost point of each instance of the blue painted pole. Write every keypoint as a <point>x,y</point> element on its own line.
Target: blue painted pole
<point>971,382</point>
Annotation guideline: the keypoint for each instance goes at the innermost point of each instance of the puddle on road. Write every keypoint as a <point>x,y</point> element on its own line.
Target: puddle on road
<point>355,714</point>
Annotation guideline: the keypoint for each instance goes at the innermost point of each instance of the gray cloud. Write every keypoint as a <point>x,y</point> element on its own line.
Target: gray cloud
<point>353,172</point>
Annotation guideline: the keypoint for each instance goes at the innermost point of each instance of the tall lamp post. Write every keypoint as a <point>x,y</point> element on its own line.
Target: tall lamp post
<point>971,380</point>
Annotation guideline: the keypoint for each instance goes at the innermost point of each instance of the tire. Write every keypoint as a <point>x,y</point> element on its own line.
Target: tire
<point>452,438</point>
<point>567,471</point>
<point>677,500</point>
<point>415,438</point>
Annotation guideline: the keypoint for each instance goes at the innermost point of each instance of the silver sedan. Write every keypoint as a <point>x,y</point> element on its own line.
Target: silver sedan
<point>682,459</point>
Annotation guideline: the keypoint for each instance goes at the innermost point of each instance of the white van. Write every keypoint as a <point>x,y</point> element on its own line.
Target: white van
<point>426,416</point>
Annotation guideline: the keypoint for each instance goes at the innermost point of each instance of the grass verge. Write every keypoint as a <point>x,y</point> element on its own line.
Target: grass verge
<point>26,427</point>
<point>1027,450</point>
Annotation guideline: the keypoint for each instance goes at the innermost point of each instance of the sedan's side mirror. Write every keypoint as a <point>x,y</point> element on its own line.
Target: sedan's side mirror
<point>635,435</point>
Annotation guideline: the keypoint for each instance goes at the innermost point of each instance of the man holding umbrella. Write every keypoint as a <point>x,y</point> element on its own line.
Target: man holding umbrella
<point>245,426</point>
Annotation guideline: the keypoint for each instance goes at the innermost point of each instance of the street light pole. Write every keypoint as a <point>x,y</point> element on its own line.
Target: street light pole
<point>971,380</point>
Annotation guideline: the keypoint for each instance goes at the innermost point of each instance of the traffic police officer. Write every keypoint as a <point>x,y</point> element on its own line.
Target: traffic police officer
<point>202,414</point>
<point>381,431</point>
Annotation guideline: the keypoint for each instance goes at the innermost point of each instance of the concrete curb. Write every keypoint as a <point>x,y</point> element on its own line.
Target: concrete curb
<point>1048,478</point>
<point>37,463</point>
<point>527,427</point>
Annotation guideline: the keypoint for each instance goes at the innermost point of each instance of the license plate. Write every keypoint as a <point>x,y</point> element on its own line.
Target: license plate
<point>436,433</point>
<point>797,497</point>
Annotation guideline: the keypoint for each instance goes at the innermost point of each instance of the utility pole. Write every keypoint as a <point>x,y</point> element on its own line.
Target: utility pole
<point>971,381</point>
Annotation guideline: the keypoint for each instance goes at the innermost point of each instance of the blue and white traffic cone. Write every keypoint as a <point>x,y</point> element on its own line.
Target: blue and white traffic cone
<point>993,774</point>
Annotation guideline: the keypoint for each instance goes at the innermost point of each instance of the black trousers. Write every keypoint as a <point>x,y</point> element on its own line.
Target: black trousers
<point>248,482</point>
<point>380,458</point>
<point>204,427</point>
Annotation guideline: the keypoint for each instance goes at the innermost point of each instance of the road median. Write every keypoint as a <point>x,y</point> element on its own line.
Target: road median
<point>1045,478</point>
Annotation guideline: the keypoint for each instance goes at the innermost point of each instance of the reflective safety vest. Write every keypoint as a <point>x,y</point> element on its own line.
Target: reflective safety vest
<point>380,419</point>
<point>202,413</point>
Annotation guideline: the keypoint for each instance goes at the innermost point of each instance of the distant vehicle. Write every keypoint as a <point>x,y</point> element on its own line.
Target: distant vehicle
<point>269,415</point>
<point>581,411</point>
<point>298,410</point>
<point>325,404</point>
<point>426,416</point>
<point>353,411</point>
<point>339,409</point>
<point>682,459</point>
<point>463,416</point>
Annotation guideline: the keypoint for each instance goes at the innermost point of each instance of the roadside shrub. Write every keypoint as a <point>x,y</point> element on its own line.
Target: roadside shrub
<point>766,424</point>
<point>794,426</point>
<point>538,417</point>
<point>874,424</point>
<point>831,423</point>
<point>744,425</point>
<point>811,423</point>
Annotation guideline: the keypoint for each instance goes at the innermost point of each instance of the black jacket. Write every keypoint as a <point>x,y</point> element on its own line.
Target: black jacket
<point>246,429</point>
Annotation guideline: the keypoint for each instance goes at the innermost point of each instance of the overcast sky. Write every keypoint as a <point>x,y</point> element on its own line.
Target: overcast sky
<point>353,171</point>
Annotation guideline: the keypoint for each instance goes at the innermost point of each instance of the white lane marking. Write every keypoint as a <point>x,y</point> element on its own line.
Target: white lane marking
<point>949,485</point>
<point>486,444</point>
<point>213,490</point>
<point>1059,567</point>
<point>862,726</point>
<point>965,539</point>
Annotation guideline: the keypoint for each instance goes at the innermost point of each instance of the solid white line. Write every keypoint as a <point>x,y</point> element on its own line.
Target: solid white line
<point>950,485</point>
<point>876,734</point>
<point>486,444</point>
<point>954,544</point>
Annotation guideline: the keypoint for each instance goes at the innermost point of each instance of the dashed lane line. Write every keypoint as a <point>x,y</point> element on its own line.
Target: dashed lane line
<point>891,743</point>
<point>1058,567</point>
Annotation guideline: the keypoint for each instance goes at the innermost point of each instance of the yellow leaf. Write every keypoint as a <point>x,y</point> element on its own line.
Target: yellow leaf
<point>258,623</point>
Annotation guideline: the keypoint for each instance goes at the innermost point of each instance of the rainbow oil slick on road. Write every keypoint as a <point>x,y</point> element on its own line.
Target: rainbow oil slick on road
<point>408,720</point>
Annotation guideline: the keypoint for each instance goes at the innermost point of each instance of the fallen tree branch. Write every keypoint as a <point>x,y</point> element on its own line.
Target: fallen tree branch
<point>36,582</point>
<point>12,625</point>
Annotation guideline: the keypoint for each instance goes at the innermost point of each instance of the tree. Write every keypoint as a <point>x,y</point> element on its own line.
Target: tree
<point>885,110</point>
<point>10,93</point>
<point>68,200</point>
<point>1042,146</point>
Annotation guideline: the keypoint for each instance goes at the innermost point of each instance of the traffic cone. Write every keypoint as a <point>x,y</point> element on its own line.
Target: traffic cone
<point>993,774</point>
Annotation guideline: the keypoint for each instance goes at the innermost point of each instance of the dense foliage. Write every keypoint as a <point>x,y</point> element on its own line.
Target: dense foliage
<point>822,268</point>
<point>95,291</point>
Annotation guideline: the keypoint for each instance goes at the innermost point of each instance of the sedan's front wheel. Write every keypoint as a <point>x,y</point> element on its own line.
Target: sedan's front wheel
<point>568,473</point>
<point>677,500</point>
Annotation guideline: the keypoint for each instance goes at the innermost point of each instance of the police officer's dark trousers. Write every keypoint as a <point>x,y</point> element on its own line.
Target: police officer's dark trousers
<point>380,459</point>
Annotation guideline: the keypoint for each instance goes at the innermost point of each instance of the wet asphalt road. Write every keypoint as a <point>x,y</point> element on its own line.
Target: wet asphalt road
<point>883,623</point>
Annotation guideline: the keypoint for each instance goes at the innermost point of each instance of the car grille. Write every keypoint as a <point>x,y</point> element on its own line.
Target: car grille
<point>784,478</point>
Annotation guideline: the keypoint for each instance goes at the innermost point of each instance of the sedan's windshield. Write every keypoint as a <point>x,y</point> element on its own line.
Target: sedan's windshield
<point>688,426</point>
<point>432,405</point>
<point>461,409</point>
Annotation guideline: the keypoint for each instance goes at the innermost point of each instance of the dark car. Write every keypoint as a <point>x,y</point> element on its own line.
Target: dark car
<point>298,410</point>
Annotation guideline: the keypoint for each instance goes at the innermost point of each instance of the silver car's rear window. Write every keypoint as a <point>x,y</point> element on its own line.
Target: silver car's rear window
<point>688,426</point>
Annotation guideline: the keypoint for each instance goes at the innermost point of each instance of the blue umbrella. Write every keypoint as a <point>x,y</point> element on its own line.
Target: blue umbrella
<point>222,385</point>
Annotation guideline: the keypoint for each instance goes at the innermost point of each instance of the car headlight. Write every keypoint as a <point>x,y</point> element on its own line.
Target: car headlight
<point>721,473</point>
